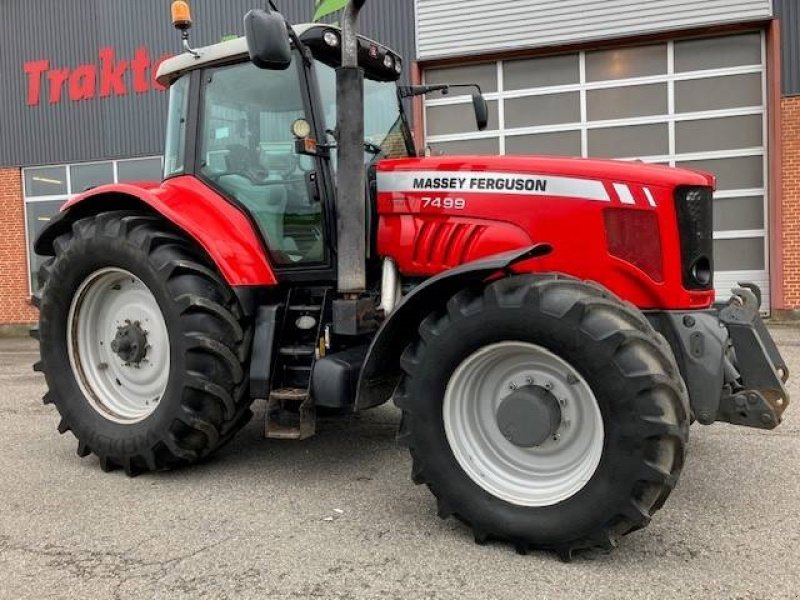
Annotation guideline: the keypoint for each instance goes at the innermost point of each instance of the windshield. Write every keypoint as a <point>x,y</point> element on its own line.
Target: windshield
<point>385,130</point>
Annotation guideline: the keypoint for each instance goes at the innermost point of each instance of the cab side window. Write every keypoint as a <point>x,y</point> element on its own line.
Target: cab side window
<point>247,151</point>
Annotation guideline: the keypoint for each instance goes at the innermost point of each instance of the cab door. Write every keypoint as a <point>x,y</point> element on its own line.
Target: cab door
<point>246,151</point>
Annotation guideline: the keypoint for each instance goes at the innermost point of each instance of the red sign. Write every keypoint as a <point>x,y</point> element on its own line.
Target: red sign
<point>109,76</point>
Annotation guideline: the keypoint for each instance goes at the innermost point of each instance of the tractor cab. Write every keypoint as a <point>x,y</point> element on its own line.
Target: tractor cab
<point>266,138</point>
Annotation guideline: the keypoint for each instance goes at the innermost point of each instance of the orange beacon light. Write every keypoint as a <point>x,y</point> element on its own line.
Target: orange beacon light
<point>181,15</point>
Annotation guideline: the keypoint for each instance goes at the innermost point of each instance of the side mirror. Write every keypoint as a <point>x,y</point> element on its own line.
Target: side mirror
<point>267,39</point>
<point>481,110</point>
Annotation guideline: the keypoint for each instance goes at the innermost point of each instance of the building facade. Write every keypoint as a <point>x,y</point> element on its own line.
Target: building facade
<point>708,84</point>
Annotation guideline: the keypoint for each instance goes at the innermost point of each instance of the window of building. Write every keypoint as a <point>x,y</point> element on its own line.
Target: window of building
<point>46,181</point>
<point>47,188</point>
<point>139,169</point>
<point>86,176</point>
<point>698,103</point>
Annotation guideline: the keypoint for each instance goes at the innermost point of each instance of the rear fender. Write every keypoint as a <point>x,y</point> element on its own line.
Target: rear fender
<point>381,372</point>
<point>220,228</point>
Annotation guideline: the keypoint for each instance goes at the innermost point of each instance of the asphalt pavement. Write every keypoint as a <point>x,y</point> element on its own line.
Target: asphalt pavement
<point>337,516</point>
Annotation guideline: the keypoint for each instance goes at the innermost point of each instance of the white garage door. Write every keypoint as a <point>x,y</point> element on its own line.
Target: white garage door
<point>696,103</point>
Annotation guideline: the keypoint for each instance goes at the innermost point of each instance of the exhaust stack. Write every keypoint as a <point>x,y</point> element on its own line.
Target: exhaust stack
<point>351,178</point>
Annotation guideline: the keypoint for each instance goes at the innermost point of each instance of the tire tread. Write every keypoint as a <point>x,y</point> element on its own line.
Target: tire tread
<point>576,301</point>
<point>215,410</point>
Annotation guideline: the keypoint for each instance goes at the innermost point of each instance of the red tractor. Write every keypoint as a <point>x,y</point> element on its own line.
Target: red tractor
<point>547,326</point>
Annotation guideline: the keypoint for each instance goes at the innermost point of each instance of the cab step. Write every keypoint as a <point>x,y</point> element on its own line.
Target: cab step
<point>290,406</point>
<point>290,414</point>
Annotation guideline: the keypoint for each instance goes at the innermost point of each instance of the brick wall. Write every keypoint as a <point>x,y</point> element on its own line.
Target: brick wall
<point>15,307</point>
<point>790,134</point>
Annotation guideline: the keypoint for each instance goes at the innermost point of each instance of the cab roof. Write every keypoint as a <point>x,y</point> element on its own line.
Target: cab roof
<point>229,50</point>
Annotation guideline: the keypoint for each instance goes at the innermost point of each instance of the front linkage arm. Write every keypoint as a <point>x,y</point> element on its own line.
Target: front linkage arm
<point>761,398</point>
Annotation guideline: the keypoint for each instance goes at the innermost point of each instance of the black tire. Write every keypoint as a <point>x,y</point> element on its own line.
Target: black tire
<point>206,399</point>
<point>631,371</point>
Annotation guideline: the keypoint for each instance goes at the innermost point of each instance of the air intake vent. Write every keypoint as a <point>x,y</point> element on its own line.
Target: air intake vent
<point>694,210</point>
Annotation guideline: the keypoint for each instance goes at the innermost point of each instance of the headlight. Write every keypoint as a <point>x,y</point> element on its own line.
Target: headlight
<point>398,66</point>
<point>331,39</point>
<point>388,62</point>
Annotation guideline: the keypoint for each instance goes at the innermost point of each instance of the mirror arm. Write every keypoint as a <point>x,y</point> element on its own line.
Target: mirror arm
<point>409,91</point>
<point>296,40</point>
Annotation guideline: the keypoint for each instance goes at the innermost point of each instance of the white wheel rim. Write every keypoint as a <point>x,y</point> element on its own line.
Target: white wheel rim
<point>543,475</point>
<point>122,391</point>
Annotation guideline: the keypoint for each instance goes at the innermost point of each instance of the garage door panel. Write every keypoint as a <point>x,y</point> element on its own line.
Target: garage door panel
<point>625,63</point>
<point>741,172</point>
<point>626,102</point>
<point>550,109</point>
<point>566,143</point>
<point>541,72</point>
<point>728,133</point>
<point>718,93</point>
<point>630,141</point>
<point>485,75</point>
<point>486,146</point>
<point>718,52</point>
<point>457,118</point>
<point>739,214</point>
<point>743,254</point>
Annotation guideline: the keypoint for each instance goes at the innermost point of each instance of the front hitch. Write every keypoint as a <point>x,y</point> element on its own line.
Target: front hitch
<point>732,368</point>
<point>757,397</point>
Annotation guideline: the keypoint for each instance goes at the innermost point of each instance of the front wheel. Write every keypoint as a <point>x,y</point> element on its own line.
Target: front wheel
<point>545,412</point>
<point>142,344</point>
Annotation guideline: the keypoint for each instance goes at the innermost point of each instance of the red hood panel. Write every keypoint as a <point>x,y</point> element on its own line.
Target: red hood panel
<point>620,171</point>
<point>438,213</point>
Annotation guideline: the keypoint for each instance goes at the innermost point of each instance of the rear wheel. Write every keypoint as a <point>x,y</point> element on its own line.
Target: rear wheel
<point>142,344</point>
<point>545,412</point>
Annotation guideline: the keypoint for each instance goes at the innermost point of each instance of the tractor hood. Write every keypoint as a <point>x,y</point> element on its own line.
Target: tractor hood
<point>591,170</point>
<point>623,224</point>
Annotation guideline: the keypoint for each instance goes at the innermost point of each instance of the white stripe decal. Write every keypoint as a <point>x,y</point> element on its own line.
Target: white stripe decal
<point>624,193</point>
<point>486,182</point>
<point>650,198</point>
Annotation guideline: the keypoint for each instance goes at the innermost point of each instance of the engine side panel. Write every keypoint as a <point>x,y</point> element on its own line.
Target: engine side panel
<point>437,213</point>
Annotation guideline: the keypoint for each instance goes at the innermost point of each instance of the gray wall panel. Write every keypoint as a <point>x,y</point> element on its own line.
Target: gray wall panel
<point>788,11</point>
<point>461,27</point>
<point>71,32</point>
